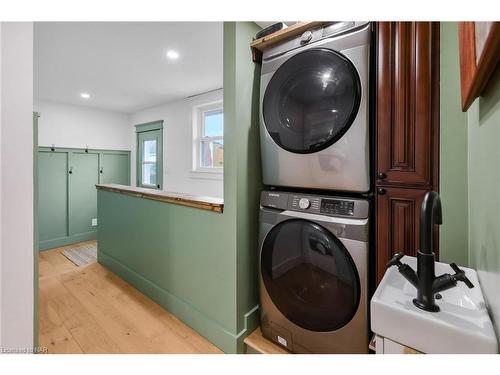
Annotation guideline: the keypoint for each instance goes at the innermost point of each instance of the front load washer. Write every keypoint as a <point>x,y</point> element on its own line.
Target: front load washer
<point>313,272</point>
<point>314,109</point>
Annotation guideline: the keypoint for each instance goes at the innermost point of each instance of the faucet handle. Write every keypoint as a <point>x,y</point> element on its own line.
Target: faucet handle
<point>395,260</point>
<point>460,275</point>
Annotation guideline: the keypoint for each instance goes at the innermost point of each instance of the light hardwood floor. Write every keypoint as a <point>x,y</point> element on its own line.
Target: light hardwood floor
<point>262,345</point>
<point>91,310</point>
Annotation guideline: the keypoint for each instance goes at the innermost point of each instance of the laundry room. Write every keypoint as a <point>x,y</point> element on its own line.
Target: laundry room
<point>267,187</point>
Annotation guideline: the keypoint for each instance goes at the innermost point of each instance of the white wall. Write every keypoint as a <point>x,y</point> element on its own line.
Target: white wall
<point>16,185</point>
<point>178,146</point>
<point>77,127</point>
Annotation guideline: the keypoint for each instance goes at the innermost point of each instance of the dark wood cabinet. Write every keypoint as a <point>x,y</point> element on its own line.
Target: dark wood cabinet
<point>397,216</point>
<point>407,132</point>
<point>405,91</point>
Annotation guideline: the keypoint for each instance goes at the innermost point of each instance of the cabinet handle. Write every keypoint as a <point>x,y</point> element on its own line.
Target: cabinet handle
<point>70,170</point>
<point>381,191</point>
<point>100,170</point>
<point>381,175</point>
<point>158,186</point>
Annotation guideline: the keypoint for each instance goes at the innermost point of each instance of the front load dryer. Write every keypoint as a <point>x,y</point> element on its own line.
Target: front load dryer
<point>313,272</point>
<point>314,109</point>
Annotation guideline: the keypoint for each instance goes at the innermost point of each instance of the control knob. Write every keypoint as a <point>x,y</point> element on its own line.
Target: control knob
<point>306,37</point>
<point>304,203</point>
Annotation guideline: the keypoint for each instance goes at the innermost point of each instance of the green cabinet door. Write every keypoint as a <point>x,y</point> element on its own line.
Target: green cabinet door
<point>115,168</point>
<point>52,196</point>
<point>83,176</point>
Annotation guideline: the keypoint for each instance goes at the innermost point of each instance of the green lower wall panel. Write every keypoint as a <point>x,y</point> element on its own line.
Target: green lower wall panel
<point>66,193</point>
<point>63,241</point>
<point>223,339</point>
<point>183,258</point>
<point>52,195</point>
<point>115,168</point>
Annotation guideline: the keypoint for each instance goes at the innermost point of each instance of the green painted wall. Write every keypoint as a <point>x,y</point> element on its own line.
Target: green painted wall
<point>484,193</point>
<point>82,192</point>
<point>453,153</point>
<point>470,174</point>
<point>200,265</point>
<point>249,176</point>
<point>115,168</point>
<point>68,202</point>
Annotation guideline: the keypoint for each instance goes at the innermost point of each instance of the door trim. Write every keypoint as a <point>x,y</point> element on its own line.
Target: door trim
<point>148,126</point>
<point>144,128</point>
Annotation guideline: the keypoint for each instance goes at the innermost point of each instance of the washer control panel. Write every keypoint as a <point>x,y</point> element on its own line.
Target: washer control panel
<point>316,204</point>
<point>337,207</point>
<point>300,202</point>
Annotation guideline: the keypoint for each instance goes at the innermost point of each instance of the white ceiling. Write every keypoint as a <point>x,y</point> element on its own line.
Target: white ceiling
<point>123,65</point>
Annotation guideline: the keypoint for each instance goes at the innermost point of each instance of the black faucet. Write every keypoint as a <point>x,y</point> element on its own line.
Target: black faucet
<point>425,279</point>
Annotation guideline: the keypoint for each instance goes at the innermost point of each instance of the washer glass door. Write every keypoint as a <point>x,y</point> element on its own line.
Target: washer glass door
<point>309,275</point>
<point>311,100</point>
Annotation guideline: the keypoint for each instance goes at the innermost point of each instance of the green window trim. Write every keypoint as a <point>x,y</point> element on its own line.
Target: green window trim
<point>148,126</point>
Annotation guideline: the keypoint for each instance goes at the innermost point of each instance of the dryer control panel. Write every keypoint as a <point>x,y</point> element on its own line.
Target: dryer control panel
<point>316,204</point>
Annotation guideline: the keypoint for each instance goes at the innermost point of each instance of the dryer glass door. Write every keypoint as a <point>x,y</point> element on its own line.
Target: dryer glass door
<point>311,100</point>
<point>310,276</point>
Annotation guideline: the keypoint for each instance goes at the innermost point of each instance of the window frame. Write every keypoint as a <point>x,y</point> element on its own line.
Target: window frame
<point>145,128</point>
<point>144,162</point>
<point>199,111</point>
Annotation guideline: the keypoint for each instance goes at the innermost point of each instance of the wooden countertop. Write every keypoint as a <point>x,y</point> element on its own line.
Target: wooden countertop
<point>190,200</point>
<point>267,41</point>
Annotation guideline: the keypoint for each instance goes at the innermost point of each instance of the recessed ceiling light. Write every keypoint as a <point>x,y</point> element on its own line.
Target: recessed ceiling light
<point>173,55</point>
<point>85,95</point>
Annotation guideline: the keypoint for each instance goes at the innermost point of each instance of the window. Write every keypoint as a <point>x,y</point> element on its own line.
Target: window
<point>149,155</point>
<point>149,162</point>
<point>209,138</point>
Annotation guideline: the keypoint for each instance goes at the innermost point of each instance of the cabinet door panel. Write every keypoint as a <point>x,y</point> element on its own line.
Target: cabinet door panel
<point>83,194</point>
<point>53,195</point>
<point>115,169</point>
<point>397,224</point>
<point>405,102</point>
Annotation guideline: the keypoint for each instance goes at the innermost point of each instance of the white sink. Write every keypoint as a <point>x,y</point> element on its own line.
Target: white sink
<point>462,325</point>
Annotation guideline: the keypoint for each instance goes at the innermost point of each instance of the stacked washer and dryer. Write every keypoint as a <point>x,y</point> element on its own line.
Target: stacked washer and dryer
<point>314,215</point>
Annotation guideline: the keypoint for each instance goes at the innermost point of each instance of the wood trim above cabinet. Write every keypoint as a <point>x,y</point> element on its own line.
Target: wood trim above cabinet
<point>259,45</point>
<point>406,103</point>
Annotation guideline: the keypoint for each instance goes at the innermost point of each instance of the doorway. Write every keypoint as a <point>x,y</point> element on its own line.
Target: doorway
<point>150,155</point>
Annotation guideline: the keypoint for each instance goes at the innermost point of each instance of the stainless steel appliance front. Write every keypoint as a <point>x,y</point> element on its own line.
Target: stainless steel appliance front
<point>314,110</point>
<point>313,272</point>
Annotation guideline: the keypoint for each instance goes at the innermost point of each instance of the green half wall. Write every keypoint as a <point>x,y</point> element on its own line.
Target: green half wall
<point>200,265</point>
